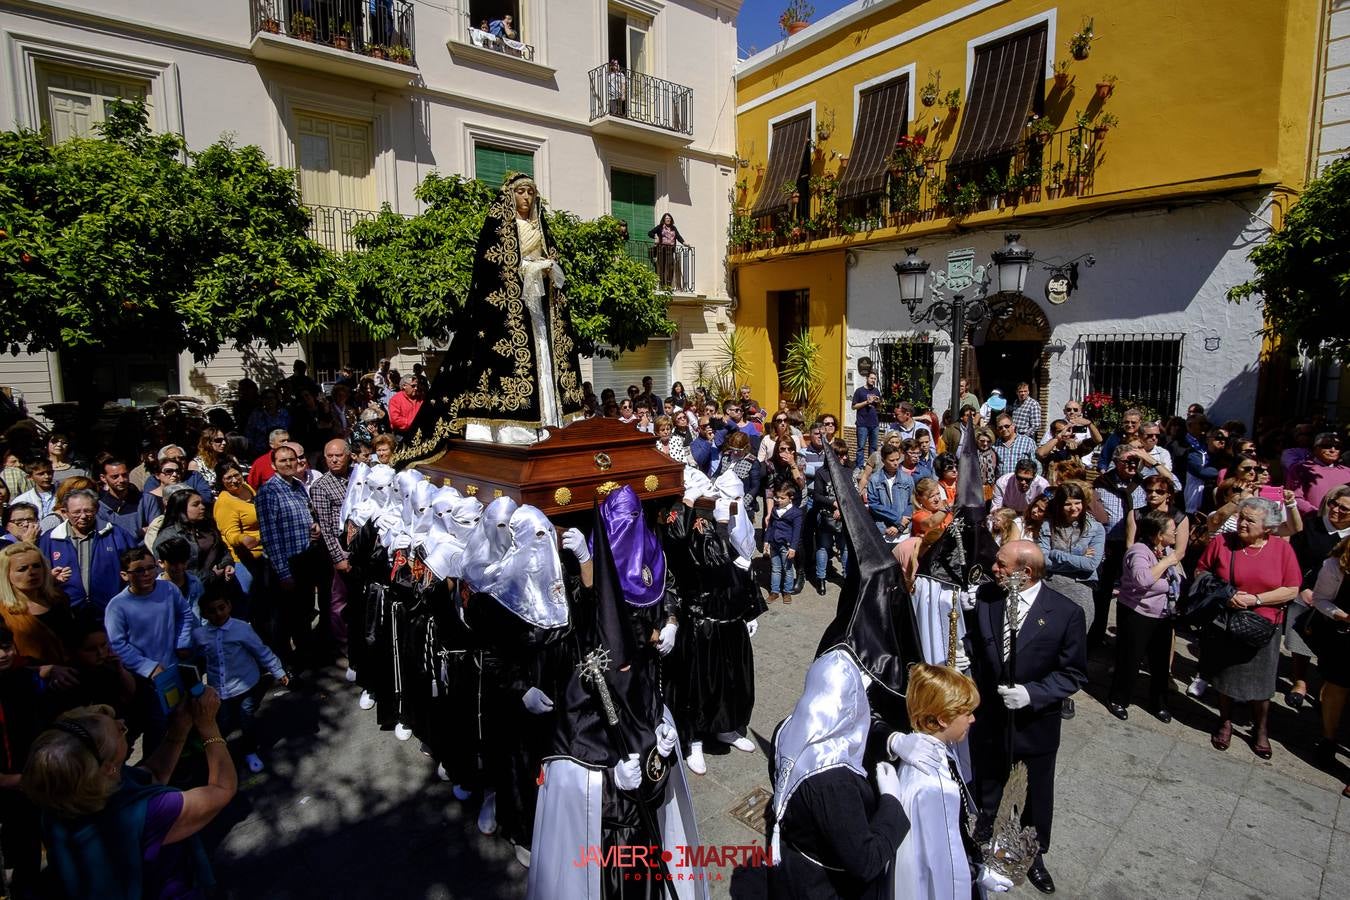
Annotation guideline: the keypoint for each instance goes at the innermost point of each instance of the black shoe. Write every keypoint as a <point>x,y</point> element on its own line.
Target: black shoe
<point>1162,713</point>
<point>820,586</point>
<point>1066,710</point>
<point>1039,877</point>
<point>1120,712</point>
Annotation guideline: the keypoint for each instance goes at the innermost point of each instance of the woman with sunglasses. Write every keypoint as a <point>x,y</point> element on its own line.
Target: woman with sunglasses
<point>681,437</point>
<point>1074,545</point>
<point>1159,494</point>
<point>211,449</point>
<point>169,473</point>
<point>1249,477</point>
<point>1312,546</point>
<point>58,452</point>
<point>1315,477</point>
<point>780,428</point>
<point>108,826</point>
<point>984,442</point>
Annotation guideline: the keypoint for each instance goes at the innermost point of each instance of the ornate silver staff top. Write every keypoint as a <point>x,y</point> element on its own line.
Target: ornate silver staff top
<point>1013,583</point>
<point>1012,847</point>
<point>593,668</point>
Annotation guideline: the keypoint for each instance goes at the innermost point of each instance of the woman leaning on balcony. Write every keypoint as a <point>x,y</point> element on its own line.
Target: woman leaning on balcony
<point>667,236</point>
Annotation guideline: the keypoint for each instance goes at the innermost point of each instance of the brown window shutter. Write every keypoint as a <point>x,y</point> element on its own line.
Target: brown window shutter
<point>787,146</point>
<point>1008,78</point>
<point>882,114</point>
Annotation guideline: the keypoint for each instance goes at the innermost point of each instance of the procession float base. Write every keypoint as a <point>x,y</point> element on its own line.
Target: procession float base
<point>564,473</point>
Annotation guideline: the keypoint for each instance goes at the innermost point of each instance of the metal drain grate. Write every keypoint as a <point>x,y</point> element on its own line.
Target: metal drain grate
<point>750,810</point>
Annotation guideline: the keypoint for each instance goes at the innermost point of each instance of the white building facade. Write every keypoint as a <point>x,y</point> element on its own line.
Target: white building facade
<point>365,97</point>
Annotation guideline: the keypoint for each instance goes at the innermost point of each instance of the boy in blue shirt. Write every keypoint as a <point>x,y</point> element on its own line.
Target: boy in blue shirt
<point>174,555</point>
<point>235,658</point>
<point>782,534</point>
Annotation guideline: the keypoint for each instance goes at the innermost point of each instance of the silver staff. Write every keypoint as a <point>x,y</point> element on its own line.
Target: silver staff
<point>1013,583</point>
<point>593,669</point>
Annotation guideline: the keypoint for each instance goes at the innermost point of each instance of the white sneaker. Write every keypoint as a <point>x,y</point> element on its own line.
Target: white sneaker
<point>740,742</point>
<point>522,855</point>
<point>487,816</point>
<point>350,675</point>
<point>442,774</point>
<point>255,765</point>
<point>367,700</point>
<point>1198,687</point>
<point>461,793</point>
<point>697,764</point>
<point>402,732</point>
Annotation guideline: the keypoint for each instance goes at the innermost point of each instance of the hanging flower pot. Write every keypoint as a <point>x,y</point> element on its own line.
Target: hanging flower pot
<point>928,97</point>
<point>1062,80</point>
<point>1104,89</point>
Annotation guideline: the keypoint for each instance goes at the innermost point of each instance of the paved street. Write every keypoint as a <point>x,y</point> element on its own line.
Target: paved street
<point>1143,809</point>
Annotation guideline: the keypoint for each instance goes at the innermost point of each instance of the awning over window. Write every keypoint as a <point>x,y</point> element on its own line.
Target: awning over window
<point>787,146</point>
<point>882,114</point>
<point>1008,80</point>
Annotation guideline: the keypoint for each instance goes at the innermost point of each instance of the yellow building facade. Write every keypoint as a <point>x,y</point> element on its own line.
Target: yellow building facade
<point>1183,122</point>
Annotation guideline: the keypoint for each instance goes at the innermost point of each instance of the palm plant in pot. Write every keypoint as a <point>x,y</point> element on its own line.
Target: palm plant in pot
<point>802,374</point>
<point>795,17</point>
<point>1062,76</point>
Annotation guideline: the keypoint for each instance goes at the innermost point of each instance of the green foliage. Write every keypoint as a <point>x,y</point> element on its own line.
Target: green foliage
<point>906,372</point>
<point>802,373</point>
<point>128,239</point>
<point>733,369</point>
<point>1303,270</point>
<point>413,275</point>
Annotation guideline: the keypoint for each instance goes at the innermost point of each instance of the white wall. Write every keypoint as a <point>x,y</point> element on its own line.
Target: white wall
<point>1157,271</point>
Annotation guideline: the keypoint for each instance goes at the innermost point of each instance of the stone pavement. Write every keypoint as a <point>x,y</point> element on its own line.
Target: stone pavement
<point>1144,810</point>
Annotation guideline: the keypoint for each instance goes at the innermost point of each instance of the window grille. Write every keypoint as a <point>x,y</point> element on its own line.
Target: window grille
<point>905,371</point>
<point>1135,369</point>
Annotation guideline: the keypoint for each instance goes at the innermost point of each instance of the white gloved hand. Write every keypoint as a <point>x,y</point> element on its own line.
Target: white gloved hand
<point>628,774</point>
<point>742,563</point>
<point>1015,697</point>
<point>887,781</point>
<point>962,661</point>
<point>992,881</point>
<point>556,271</point>
<point>926,756</point>
<point>665,739</point>
<point>667,641</point>
<point>968,599</point>
<point>574,542</point>
<point>752,626</point>
<point>537,702</point>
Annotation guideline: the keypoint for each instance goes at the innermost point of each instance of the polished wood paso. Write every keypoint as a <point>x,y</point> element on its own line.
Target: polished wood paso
<point>563,472</point>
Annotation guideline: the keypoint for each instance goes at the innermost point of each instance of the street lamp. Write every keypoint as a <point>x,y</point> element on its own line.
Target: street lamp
<point>958,313</point>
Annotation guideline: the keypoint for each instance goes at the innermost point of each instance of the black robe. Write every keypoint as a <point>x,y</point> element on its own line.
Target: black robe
<point>490,372</point>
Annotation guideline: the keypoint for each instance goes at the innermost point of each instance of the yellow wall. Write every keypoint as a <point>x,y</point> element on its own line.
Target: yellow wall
<point>823,275</point>
<point>1206,91</point>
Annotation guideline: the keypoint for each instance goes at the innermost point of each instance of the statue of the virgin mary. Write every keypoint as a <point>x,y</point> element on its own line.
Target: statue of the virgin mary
<point>512,368</point>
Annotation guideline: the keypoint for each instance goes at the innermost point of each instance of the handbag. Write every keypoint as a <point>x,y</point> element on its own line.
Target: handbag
<point>1205,598</point>
<point>1241,626</point>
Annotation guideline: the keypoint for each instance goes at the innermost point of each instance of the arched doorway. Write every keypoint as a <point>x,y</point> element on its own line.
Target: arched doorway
<point>1012,349</point>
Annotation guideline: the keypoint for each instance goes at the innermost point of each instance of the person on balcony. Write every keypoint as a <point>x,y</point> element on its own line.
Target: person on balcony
<point>667,236</point>
<point>616,89</point>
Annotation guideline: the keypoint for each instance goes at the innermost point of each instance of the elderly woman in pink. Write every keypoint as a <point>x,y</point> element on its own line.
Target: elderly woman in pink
<point>1319,474</point>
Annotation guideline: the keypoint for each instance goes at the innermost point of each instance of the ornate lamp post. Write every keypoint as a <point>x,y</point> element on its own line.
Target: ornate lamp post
<point>967,306</point>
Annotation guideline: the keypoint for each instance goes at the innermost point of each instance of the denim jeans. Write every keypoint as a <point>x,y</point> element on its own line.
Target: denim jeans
<point>828,542</point>
<point>867,444</point>
<point>239,712</point>
<point>782,571</point>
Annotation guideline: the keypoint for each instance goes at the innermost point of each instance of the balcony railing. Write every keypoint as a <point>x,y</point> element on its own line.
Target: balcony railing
<point>674,266</point>
<point>481,37</point>
<point>382,29</point>
<point>1043,167</point>
<point>625,94</point>
<point>331,226</point>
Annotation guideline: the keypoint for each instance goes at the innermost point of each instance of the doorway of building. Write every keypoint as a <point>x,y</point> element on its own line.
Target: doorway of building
<point>1003,364</point>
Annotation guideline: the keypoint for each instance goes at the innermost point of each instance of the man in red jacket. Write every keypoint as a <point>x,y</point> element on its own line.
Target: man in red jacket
<point>404,405</point>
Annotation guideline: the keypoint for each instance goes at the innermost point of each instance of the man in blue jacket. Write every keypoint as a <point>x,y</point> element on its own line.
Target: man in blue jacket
<point>890,496</point>
<point>85,556</point>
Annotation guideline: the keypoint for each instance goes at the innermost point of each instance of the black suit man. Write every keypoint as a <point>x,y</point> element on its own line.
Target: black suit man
<point>1022,688</point>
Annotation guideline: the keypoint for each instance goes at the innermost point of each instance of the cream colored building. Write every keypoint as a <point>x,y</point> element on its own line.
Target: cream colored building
<point>375,94</point>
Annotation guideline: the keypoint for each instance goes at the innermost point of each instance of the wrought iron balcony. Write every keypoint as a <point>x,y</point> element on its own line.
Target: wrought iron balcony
<point>378,29</point>
<point>331,226</point>
<point>624,96</point>
<point>478,37</point>
<point>674,266</point>
<point>1044,167</point>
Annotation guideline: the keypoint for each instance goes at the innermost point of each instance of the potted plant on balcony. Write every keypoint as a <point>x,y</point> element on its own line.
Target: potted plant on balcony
<point>929,95</point>
<point>992,186</point>
<point>400,53</point>
<point>952,100</point>
<point>1056,185</point>
<point>1062,76</point>
<point>302,27</point>
<point>1081,42</point>
<point>1030,182</point>
<point>376,51</point>
<point>267,18</point>
<point>796,16</point>
<point>1106,86</point>
<point>1104,123</point>
<point>342,36</point>
<point>1041,129</point>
